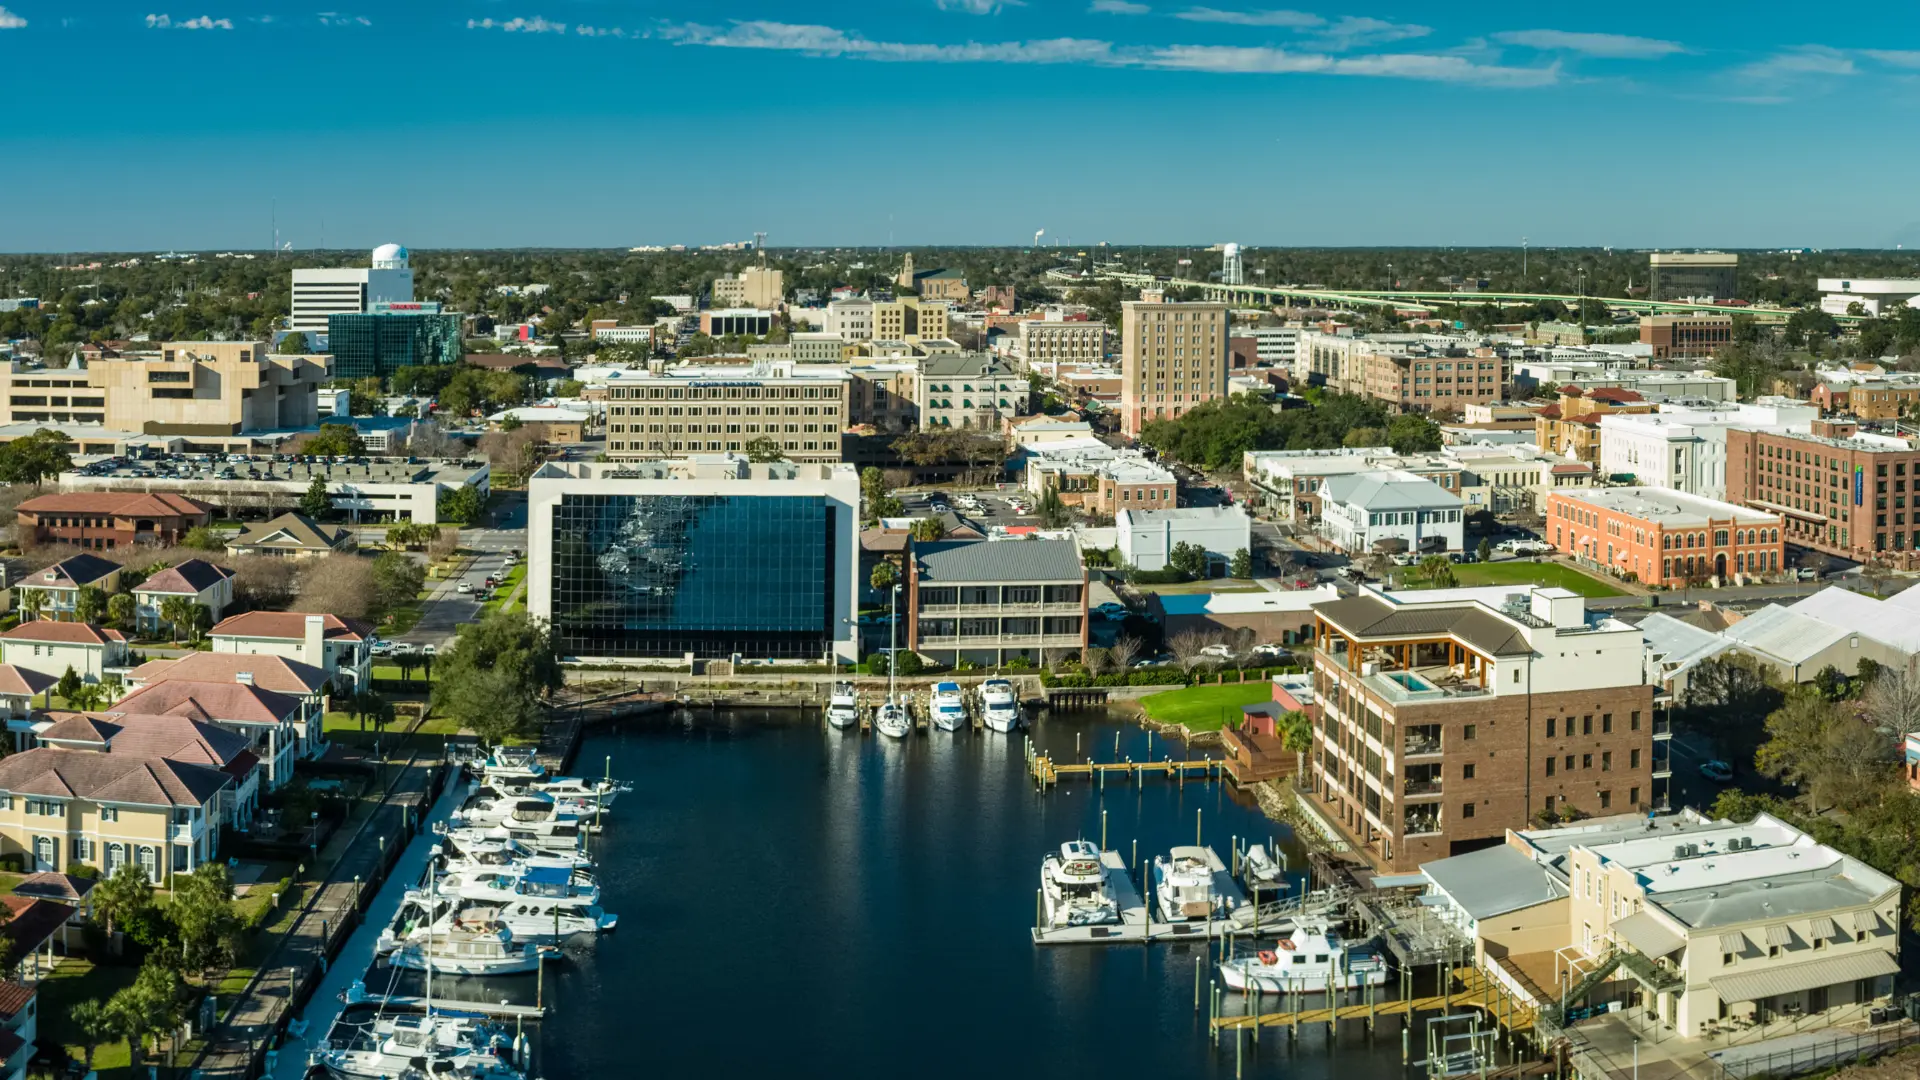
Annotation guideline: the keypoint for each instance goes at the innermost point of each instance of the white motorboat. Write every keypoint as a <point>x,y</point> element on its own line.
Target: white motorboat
<point>388,1045</point>
<point>891,720</point>
<point>1074,887</point>
<point>557,842</point>
<point>1183,885</point>
<point>999,705</point>
<point>515,770</point>
<point>467,947</point>
<point>511,884</point>
<point>949,707</point>
<point>843,707</point>
<point>532,811</point>
<point>1260,869</point>
<point>423,916</point>
<point>1311,958</point>
<point>479,853</point>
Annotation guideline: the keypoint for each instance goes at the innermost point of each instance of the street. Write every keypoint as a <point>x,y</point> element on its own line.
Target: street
<point>446,608</point>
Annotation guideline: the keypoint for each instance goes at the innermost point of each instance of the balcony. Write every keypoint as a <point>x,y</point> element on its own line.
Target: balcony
<point>1414,789</point>
<point>1422,824</point>
<point>184,831</point>
<point>1421,741</point>
<point>1662,764</point>
<point>1662,726</point>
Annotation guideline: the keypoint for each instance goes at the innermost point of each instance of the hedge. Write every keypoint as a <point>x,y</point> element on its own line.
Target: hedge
<point>1166,676</point>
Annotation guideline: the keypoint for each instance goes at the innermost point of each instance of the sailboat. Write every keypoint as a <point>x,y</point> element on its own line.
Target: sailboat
<point>891,718</point>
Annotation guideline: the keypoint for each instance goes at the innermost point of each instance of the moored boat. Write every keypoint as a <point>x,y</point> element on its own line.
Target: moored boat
<point>1310,958</point>
<point>948,707</point>
<point>1074,887</point>
<point>999,705</point>
<point>843,707</point>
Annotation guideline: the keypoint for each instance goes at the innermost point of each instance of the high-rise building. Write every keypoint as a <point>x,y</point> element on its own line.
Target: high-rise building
<point>727,408</point>
<point>1172,357</point>
<point>393,336</point>
<point>712,557</point>
<point>754,287</point>
<point>322,292</point>
<point>1680,275</point>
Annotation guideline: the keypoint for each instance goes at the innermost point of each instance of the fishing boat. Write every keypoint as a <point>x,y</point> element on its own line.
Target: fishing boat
<point>1183,885</point>
<point>469,947</point>
<point>1074,887</point>
<point>999,705</point>
<point>1259,869</point>
<point>891,720</point>
<point>1311,958</point>
<point>843,707</point>
<point>949,707</point>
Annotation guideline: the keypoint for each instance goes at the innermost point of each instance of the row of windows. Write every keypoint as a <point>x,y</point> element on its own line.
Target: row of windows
<point>1586,761</point>
<point>947,595</point>
<point>715,429</point>
<point>722,410</point>
<point>715,393</point>
<point>1029,626</point>
<point>1586,724</point>
<point>663,445</point>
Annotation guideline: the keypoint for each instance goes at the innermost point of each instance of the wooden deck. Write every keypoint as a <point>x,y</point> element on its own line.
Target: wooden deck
<point>1474,991</point>
<point>1047,772</point>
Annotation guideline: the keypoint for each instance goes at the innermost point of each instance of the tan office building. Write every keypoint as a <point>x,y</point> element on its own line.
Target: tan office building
<point>909,319</point>
<point>754,287</point>
<point>1052,342</point>
<point>1172,357</point>
<point>186,388</point>
<point>714,410</point>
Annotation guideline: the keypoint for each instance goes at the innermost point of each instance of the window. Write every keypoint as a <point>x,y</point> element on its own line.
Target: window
<point>1633,760</point>
<point>1727,959</point>
<point>1606,761</point>
<point>1633,722</point>
<point>1606,723</point>
<point>1467,731</point>
<point>1466,772</point>
<point>1586,725</point>
<point>1549,766</point>
<point>1586,761</point>
<point>1606,800</point>
<point>109,813</point>
<point>1633,796</point>
<point>1549,727</point>
<point>1466,810</point>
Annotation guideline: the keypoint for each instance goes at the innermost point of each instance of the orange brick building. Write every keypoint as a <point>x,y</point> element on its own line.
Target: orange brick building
<point>1663,537</point>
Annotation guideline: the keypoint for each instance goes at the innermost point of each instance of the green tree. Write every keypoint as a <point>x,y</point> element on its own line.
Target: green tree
<point>36,457</point>
<point>511,423</point>
<point>201,911</point>
<point>334,440</point>
<point>884,575</point>
<point>177,612</point>
<point>1485,550</point>
<point>1438,572</point>
<point>1296,731</point>
<point>1189,559</point>
<point>396,581</point>
<point>69,683</point>
<point>1052,512</point>
<point>121,896</point>
<point>203,538</point>
<point>1831,684</point>
<point>568,388</point>
<point>31,602</point>
<point>461,506</point>
<point>1242,564</point>
<point>294,344</point>
<point>1363,437</point>
<point>89,604</point>
<point>315,502</point>
<point>1797,735</point>
<point>765,449</point>
<point>120,610</point>
<point>928,529</point>
<point>499,676</point>
<point>886,506</point>
<point>1411,433</point>
<point>93,1023</point>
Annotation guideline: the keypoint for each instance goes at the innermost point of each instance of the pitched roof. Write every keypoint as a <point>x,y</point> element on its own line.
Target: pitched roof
<point>117,503</point>
<point>45,885</point>
<point>1372,617</point>
<point>1493,881</point>
<point>80,728</point>
<point>275,673</point>
<point>32,921</point>
<point>176,738</point>
<point>190,578</point>
<point>1387,489</point>
<point>23,681</point>
<point>118,778</point>
<point>290,626</point>
<point>219,701</point>
<point>63,633</point>
<point>1785,635</point>
<point>998,561</point>
<point>292,530</point>
<point>71,572</point>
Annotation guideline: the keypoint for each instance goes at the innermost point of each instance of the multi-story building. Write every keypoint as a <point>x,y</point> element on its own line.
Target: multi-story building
<point>1888,398</point>
<point>989,602</point>
<point>319,293</point>
<point>950,285</point>
<point>393,336</point>
<point>1571,426</point>
<point>1147,536</point>
<point>101,808</point>
<point>910,319</point>
<point>196,581</point>
<point>1051,341</point>
<point>754,287</point>
<point>56,588</point>
<point>184,388</point>
<point>279,728</point>
<point>1663,537</point>
<point>1508,480</point>
<point>1685,448</point>
<point>340,647</point>
<point>814,347</point>
<point>849,320</point>
<point>1172,357</point>
<point>1275,346</point>
<point>744,321</point>
<point>51,648</point>
<point>713,557</point>
<point>881,396</point>
<point>1875,296</point>
<point>1686,275</point>
<point>1099,479</point>
<point>1289,482</point>
<point>1446,723</point>
<point>1418,381</point>
<point>673,412</point>
<point>1837,490</point>
<point>969,390</point>
<point>109,520</point>
<point>377,489</point>
<point>1360,512</point>
<point>1673,337</point>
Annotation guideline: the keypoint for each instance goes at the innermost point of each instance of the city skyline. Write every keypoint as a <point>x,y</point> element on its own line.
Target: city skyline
<point>571,123</point>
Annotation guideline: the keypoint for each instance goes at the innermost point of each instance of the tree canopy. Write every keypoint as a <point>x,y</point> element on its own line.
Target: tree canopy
<point>498,676</point>
<point>33,458</point>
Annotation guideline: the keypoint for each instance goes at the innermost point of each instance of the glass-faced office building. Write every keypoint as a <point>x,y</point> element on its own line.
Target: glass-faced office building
<point>379,342</point>
<point>758,568</point>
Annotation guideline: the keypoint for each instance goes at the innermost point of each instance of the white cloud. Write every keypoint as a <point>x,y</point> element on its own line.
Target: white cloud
<point>599,31</point>
<point>1358,31</point>
<point>1297,19</point>
<point>334,18</point>
<point>978,7</point>
<point>204,22</point>
<point>1117,7</point>
<point>1611,46</point>
<point>1802,61</point>
<point>827,41</point>
<point>10,21</point>
<point>1900,58</point>
<point>535,25</point>
<point>1423,66</point>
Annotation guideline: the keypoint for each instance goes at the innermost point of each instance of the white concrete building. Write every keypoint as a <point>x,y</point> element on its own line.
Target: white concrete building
<point>380,489</point>
<point>1358,510</point>
<point>708,557</point>
<point>1147,537</point>
<point>1274,346</point>
<point>50,648</point>
<point>1876,296</point>
<point>1684,448</point>
<point>850,320</point>
<point>322,291</point>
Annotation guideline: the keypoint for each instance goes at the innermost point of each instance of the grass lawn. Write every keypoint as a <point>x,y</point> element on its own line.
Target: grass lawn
<point>1214,585</point>
<point>504,598</point>
<point>1205,708</point>
<point>1521,572</point>
<point>74,981</point>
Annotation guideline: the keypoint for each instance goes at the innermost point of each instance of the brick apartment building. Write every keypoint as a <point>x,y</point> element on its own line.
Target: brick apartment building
<point>105,520</point>
<point>1570,427</point>
<point>1172,357</point>
<point>1877,399</point>
<point>1444,724</point>
<point>1664,537</point>
<point>1674,336</point>
<point>1836,491</point>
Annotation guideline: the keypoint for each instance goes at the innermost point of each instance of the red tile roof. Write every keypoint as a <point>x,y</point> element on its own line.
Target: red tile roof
<point>232,701</point>
<point>120,503</point>
<point>269,672</point>
<point>65,633</point>
<point>1616,394</point>
<point>22,681</point>
<point>1551,412</point>
<point>45,885</point>
<point>32,921</point>
<point>13,996</point>
<point>289,626</point>
<point>109,777</point>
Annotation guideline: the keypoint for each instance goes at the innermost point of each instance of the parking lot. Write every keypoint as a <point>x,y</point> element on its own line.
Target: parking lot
<point>988,507</point>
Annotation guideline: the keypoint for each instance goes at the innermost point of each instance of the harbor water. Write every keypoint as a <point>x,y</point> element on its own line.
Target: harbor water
<point>797,901</point>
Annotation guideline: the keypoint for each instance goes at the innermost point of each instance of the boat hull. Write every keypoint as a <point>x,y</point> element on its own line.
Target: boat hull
<point>1239,976</point>
<point>412,960</point>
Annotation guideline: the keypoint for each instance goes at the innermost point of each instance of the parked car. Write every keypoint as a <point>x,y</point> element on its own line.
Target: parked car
<point>1111,610</point>
<point>1223,652</point>
<point>1717,771</point>
<point>380,647</point>
<point>464,587</point>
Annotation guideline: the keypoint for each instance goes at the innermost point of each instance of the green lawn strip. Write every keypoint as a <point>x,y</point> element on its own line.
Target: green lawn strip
<point>73,981</point>
<point>1205,708</point>
<point>1523,573</point>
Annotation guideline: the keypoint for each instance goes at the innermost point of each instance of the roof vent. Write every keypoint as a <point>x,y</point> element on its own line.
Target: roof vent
<point>244,678</point>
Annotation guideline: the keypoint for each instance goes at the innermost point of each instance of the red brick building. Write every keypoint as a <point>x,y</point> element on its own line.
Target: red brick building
<point>104,520</point>
<point>1664,537</point>
<point>1837,492</point>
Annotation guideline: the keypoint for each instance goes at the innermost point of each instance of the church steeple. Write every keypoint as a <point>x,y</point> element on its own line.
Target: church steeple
<point>906,272</point>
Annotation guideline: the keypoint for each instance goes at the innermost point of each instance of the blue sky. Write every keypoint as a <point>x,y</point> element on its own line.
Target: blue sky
<point>610,123</point>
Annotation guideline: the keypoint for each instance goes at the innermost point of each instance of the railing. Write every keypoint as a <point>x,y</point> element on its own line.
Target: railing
<point>1421,787</point>
<point>1422,825</point>
<point>1819,1056</point>
<point>182,830</point>
<point>1414,747</point>
<point>1662,727</point>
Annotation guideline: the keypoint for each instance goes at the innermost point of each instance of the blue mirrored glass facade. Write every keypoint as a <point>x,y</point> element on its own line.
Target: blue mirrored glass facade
<point>714,575</point>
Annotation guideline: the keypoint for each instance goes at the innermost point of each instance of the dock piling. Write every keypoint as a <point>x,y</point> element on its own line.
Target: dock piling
<point>1103,830</point>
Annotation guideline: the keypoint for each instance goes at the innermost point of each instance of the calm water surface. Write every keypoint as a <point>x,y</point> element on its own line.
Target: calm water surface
<point>798,901</point>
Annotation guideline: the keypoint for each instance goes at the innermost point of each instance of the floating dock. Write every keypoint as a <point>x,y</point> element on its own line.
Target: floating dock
<point>1136,925</point>
<point>455,1006</point>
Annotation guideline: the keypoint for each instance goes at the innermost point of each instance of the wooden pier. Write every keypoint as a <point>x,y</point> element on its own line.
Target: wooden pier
<point>1047,772</point>
<point>1476,991</point>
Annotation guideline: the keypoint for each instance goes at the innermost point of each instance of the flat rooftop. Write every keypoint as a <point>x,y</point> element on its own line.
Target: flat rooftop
<point>1663,506</point>
<point>286,468</point>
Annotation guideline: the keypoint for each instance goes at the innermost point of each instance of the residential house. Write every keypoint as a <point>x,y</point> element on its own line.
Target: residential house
<point>180,739</point>
<point>340,647</point>
<point>109,520</point>
<point>293,678</point>
<point>990,602</point>
<point>19,1028</point>
<point>292,535</point>
<point>196,580</point>
<point>58,586</point>
<point>1148,537</point>
<point>59,807</point>
<point>50,648</point>
<point>271,722</point>
<point>18,687</point>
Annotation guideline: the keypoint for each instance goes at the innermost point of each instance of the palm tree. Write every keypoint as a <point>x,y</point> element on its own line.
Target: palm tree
<point>1438,571</point>
<point>120,610</point>
<point>94,1024</point>
<point>31,603</point>
<point>178,613</point>
<point>89,604</point>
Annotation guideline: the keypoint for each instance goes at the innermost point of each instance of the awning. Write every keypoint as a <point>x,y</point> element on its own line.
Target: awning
<point>1866,922</point>
<point>1778,934</point>
<point>1823,929</point>
<point>1648,935</point>
<point>1735,942</point>
<point>1793,978</point>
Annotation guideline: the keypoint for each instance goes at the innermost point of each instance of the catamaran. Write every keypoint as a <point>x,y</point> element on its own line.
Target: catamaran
<point>843,708</point>
<point>999,705</point>
<point>1311,958</point>
<point>949,707</point>
<point>1074,887</point>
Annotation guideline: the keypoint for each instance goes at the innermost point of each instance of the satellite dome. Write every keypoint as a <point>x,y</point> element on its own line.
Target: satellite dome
<point>389,257</point>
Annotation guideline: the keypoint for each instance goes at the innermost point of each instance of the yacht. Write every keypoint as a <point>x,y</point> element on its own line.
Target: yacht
<point>387,1045</point>
<point>1183,885</point>
<point>1261,871</point>
<point>1311,958</point>
<point>891,720</point>
<point>557,842</point>
<point>507,884</point>
<point>468,947</point>
<point>949,707</point>
<point>516,771</point>
<point>999,705</point>
<point>530,811</point>
<point>483,852</point>
<point>1074,887</point>
<point>843,708</point>
<point>424,916</point>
